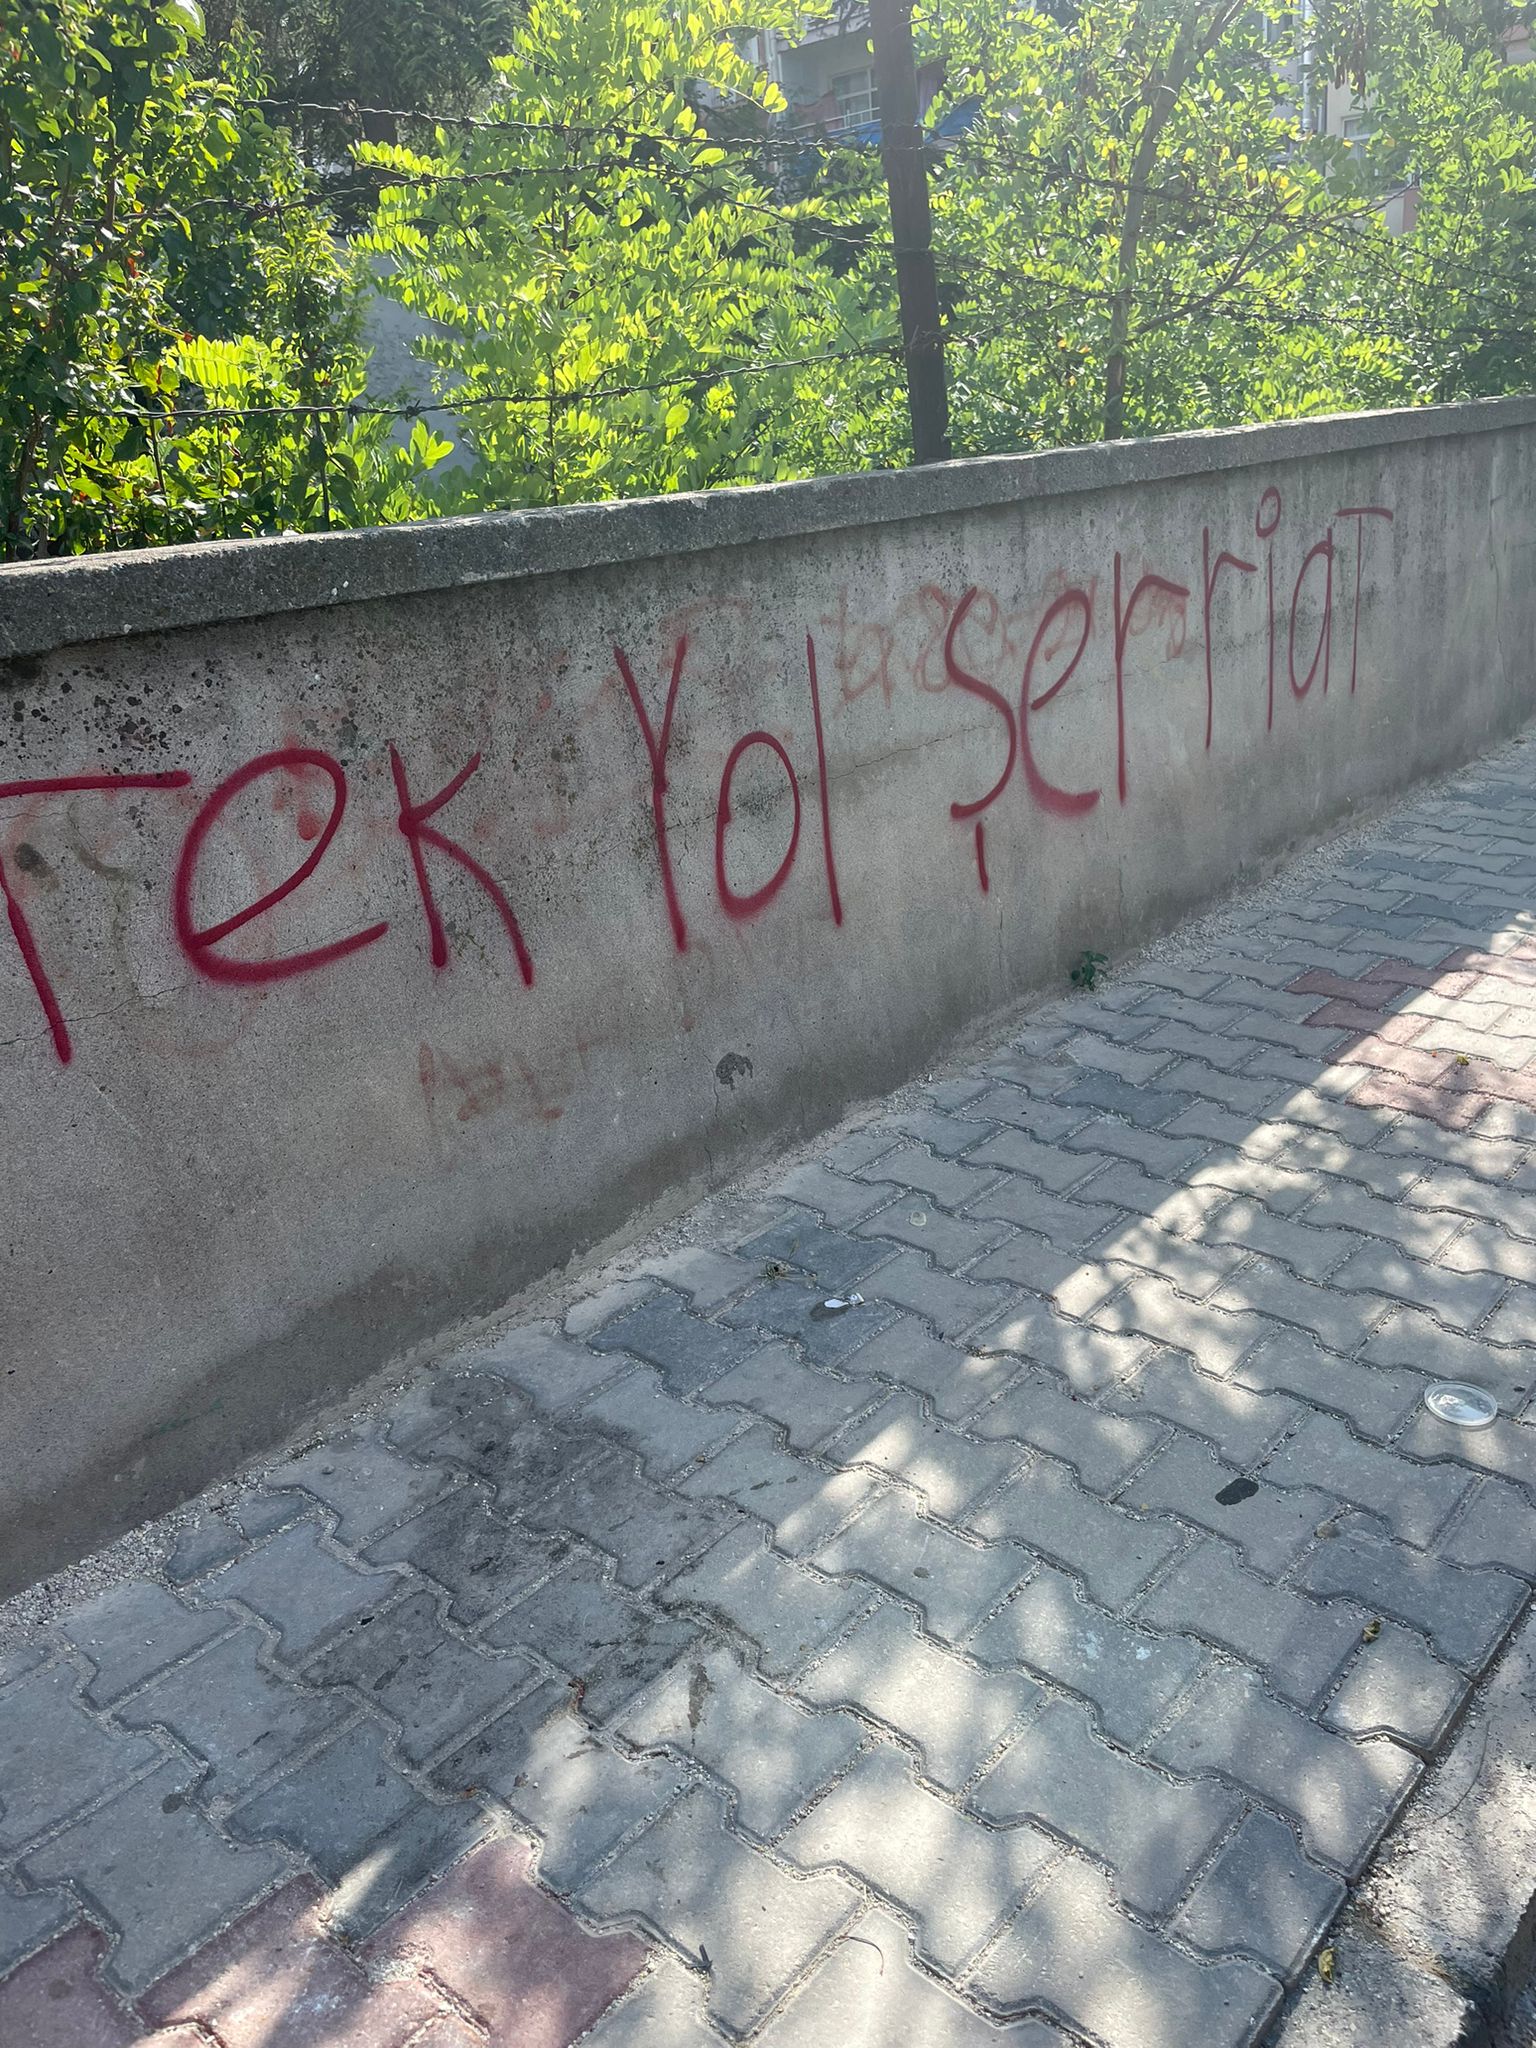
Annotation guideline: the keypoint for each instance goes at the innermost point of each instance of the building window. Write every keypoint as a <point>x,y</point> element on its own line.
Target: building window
<point>854,92</point>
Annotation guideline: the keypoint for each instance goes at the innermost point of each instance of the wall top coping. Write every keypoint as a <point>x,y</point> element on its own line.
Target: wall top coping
<point>74,600</point>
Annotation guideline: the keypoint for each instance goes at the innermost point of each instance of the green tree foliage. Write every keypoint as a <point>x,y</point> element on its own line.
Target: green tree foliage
<point>160,262</point>
<point>598,267</point>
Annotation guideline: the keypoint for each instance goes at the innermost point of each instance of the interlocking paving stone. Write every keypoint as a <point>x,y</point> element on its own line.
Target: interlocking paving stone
<point>783,1609</point>
<point>664,2009</point>
<point>274,1980</point>
<point>952,1581</point>
<point>1298,1644</point>
<point>955,1378</point>
<point>1130,1675</point>
<point>687,1350</point>
<point>1240,1424</point>
<point>788,1308</point>
<point>709,1278</point>
<point>1465,1613</point>
<point>298,1588</point>
<point>1113,1553</point>
<point>1272,1525</point>
<point>955,1877</point>
<point>707,1893</point>
<point>361,1826</point>
<point>1414,1500</point>
<point>805,1501</point>
<point>866,1994</point>
<point>837,1199</point>
<point>667,1433</point>
<point>365,1484</point>
<point>830,1257</point>
<point>551,1372</point>
<point>1087,1359</point>
<point>131,1632</point>
<point>1498,1528</point>
<point>954,1713</point>
<point>1376,1400</point>
<point>608,1641</point>
<point>1072,1949</point>
<point>233,1714</point>
<point>1102,1449</point>
<point>948,1469</point>
<point>478,1558</point>
<point>540,1982</point>
<point>29,1919</point>
<point>156,1872</point>
<point>542,1761</point>
<point>54,1758</point>
<point>1152,1831</point>
<point>491,1431</point>
<point>1343,1792</point>
<point>951,1241</point>
<point>1262,1896</point>
<point>772,1753</point>
<point>952,1304</point>
<point>431,1685</point>
<point>1397,1687</point>
<point>805,1403</point>
<point>646,1529</point>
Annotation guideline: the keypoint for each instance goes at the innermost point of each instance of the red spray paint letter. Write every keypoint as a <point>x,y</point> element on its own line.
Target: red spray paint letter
<point>1266,518</point>
<point>1212,576</point>
<point>198,944</point>
<point>821,774</point>
<point>1156,586</point>
<point>26,944</point>
<point>735,905</point>
<point>1063,803</point>
<point>1323,652</point>
<point>657,750</point>
<point>962,679</point>
<point>413,822</point>
<point>1362,513</point>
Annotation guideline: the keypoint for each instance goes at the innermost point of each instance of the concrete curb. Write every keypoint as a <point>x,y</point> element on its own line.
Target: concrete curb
<point>1441,1930</point>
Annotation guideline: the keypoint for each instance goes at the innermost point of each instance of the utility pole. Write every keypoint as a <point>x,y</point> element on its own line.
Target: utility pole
<point>906,180</point>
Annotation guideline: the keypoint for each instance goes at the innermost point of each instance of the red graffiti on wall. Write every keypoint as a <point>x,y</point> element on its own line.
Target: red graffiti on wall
<point>419,833</point>
<point>657,748</point>
<point>744,906</point>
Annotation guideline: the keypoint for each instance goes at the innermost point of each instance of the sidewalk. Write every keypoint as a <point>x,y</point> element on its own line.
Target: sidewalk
<point>1032,1652</point>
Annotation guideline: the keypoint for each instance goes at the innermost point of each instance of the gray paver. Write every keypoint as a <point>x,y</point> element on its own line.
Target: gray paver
<point>1152,1831</point>
<point>1376,1401</point>
<point>1396,1686</point>
<point>479,1559</point>
<point>356,1821</point>
<point>298,1588</point>
<point>1240,1424</point>
<point>1298,1644</point>
<point>956,1379</point>
<point>1464,1612</point>
<point>1272,1525</point>
<point>1130,1675</point>
<point>948,1469</point>
<point>667,1433</point>
<point>952,1304</point>
<point>1413,1500</point>
<point>782,1608</point>
<point>830,1257</point>
<point>687,1350</point>
<point>866,1994</point>
<point>553,1373</point>
<point>954,1713</point>
<point>955,1877</point>
<point>30,1919</point>
<point>646,1529</point>
<point>1263,1896</point>
<point>54,1759</point>
<point>805,1403</point>
<point>604,1638</point>
<point>542,1761</point>
<point>157,1872</point>
<point>1102,1449</point>
<point>234,1714</point>
<point>1113,1553</point>
<point>788,1308</point>
<point>952,1581</point>
<point>1072,1949</point>
<point>131,1632</point>
<point>803,1500</point>
<point>366,1485</point>
<point>706,1892</point>
<point>432,1686</point>
<point>772,1753</point>
<point>1343,1792</point>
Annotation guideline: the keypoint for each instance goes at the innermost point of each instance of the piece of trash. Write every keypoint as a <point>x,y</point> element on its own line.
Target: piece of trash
<point>704,1957</point>
<point>1371,1630</point>
<point>1463,1405</point>
<point>919,1219</point>
<point>1237,1490</point>
<point>838,1304</point>
<point>1327,1528</point>
<point>775,1269</point>
<point>1327,1964</point>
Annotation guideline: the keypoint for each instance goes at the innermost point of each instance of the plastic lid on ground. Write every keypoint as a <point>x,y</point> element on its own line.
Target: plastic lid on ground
<point>1457,1402</point>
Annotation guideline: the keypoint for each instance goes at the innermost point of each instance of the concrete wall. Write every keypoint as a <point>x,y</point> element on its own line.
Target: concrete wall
<point>250,1157</point>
